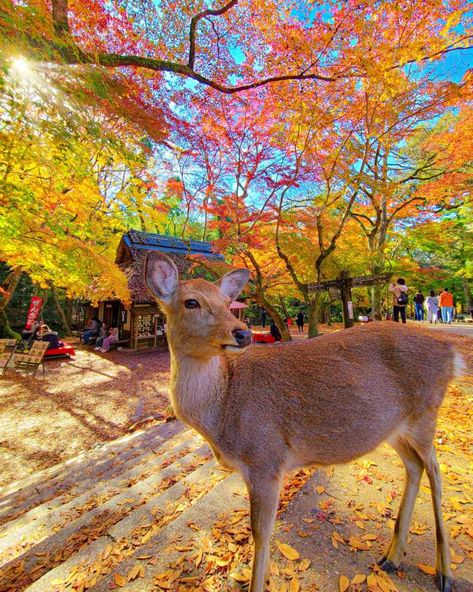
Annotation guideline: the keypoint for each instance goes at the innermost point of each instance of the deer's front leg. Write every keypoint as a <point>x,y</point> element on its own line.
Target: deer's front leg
<point>264,496</point>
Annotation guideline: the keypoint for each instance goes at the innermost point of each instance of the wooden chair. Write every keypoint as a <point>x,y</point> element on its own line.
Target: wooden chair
<point>29,360</point>
<point>7,347</point>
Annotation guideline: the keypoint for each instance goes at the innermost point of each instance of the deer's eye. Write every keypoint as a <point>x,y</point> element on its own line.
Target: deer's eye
<point>191,303</point>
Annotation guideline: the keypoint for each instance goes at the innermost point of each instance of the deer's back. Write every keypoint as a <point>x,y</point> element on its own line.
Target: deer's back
<point>335,397</point>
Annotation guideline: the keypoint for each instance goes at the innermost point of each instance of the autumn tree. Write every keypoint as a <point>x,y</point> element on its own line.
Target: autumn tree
<point>125,77</point>
<point>200,42</point>
<point>399,109</point>
<point>65,183</point>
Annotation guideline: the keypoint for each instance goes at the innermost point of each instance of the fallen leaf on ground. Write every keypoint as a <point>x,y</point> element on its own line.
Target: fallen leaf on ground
<point>428,569</point>
<point>288,551</point>
<point>343,584</point>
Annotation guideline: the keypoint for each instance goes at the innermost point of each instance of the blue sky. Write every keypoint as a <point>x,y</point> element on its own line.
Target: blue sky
<point>454,65</point>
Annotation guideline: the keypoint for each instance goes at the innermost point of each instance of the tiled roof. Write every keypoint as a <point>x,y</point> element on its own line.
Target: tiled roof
<point>137,239</point>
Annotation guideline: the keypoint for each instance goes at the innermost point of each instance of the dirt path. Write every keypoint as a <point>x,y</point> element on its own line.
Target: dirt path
<point>78,404</point>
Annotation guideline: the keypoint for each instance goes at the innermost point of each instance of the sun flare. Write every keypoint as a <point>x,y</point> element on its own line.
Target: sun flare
<point>21,67</point>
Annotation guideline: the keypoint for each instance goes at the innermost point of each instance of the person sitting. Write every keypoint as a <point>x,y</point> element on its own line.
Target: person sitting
<point>107,342</point>
<point>46,334</point>
<point>275,331</point>
<point>91,331</point>
<point>103,332</point>
<point>29,335</point>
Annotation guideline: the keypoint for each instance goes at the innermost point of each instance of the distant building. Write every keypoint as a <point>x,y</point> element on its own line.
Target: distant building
<point>142,325</point>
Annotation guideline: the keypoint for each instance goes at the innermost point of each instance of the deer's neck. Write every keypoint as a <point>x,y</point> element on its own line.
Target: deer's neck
<point>197,391</point>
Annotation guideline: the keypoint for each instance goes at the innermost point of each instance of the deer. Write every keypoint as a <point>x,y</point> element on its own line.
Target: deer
<point>267,409</point>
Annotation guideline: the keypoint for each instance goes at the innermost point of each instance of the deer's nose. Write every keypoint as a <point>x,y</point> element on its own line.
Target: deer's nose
<point>242,337</point>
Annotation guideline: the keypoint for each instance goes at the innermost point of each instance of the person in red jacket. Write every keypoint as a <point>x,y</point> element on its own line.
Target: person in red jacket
<point>446,305</point>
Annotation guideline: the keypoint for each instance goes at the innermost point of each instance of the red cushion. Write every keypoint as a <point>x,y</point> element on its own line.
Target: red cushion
<point>64,350</point>
<point>263,338</point>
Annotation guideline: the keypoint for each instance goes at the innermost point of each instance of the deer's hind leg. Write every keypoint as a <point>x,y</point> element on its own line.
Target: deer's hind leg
<point>414,467</point>
<point>417,453</point>
<point>442,549</point>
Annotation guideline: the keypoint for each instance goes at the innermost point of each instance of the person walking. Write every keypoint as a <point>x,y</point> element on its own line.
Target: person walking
<point>400,299</point>
<point>263,318</point>
<point>432,303</point>
<point>446,306</point>
<point>300,321</point>
<point>419,306</point>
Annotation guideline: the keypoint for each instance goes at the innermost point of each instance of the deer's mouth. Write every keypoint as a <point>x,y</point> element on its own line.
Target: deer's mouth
<point>242,338</point>
<point>232,347</point>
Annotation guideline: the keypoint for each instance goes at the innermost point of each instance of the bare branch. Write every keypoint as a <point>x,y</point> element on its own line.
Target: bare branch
<point>445,50</point>
<point>404,205</point>
<point>195,21</point>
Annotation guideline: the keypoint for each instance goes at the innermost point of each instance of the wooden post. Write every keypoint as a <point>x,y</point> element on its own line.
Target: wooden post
<point>347,304</point>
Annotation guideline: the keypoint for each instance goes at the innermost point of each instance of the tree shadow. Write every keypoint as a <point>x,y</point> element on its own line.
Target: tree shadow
<point>77,405</point>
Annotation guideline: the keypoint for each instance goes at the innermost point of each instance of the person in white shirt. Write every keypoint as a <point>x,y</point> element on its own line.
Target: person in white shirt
<point>432,303</point>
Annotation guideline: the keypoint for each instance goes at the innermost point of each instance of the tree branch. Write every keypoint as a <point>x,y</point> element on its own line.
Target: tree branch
<point>60,10</point>
<point>72,54</point>
<point>404,205</point>
<point>113,60</point>
<point>195,21</point>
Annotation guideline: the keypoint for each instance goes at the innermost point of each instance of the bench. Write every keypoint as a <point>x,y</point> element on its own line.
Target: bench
<point>119,343</point>
<point>7,348</point>
<point>30,357</point>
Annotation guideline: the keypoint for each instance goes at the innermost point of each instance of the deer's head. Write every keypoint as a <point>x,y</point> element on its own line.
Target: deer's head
<point>199,320</point>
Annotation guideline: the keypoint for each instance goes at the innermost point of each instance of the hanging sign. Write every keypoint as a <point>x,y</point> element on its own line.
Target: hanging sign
<point>33,311</point>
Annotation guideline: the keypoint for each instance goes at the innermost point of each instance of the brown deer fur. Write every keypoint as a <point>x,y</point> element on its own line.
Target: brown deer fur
<point>267,409</point>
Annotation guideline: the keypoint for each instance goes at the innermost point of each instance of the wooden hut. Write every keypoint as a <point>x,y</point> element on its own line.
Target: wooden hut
<point>142,325</point>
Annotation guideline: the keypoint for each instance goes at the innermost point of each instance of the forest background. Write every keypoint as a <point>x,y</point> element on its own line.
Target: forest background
<point>301,138</point>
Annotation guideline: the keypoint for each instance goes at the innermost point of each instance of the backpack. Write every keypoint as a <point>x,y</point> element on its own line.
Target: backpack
<point>402,299</point>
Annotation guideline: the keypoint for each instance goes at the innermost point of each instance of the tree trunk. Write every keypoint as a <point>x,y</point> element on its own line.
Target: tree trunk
<point>283,307</point>
<point>69,309</point>
<point>376,302</point>
<point>6,326</point>
<point>60,310</point>
<point>377,290</point>
<point>9,287</point>
<point>329,316</point>
<point>260,298</point>
<point>313,314</point>
<point>278,319</point>
<point>467,292</point>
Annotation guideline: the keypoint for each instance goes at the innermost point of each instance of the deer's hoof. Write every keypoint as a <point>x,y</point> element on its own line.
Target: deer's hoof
<point>387,565</point>
<point>444,583</point>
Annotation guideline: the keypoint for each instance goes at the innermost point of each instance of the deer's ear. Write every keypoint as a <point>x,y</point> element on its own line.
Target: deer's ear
<point>161,275</point>
<point>233,282</point>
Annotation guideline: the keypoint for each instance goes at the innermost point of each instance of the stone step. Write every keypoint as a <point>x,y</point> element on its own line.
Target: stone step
<point>165,430</point>
<point>44,521</point>
<point>90,494</point>
<point>102,463</point>
<point>33,559</point>
<point>130,535</point>
<point>183,539</point>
